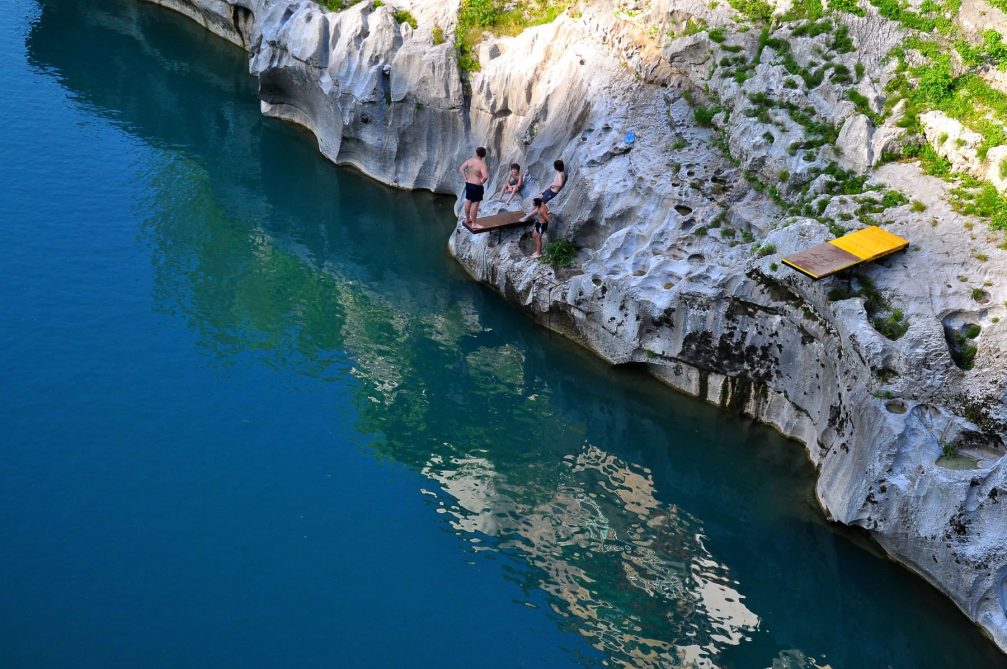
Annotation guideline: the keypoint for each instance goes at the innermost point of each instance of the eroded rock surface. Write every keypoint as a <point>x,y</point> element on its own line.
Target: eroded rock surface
<point>681,227</point>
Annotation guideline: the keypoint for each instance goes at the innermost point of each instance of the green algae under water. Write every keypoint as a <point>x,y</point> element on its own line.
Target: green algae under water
<point>254,416</point>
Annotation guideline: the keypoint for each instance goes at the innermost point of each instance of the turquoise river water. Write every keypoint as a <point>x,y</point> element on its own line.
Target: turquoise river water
<point>255,416</point>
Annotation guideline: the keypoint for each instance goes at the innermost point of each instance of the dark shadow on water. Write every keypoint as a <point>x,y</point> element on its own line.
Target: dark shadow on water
<point>661,529</point>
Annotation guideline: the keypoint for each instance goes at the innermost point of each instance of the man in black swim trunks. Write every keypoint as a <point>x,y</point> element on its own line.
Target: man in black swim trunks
<point>475,173</point>
<point>558,182</point>
<point>540,212</point>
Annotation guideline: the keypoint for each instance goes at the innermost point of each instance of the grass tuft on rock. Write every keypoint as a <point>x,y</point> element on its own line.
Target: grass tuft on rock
<point>559,253</point>
<point>476,17</point>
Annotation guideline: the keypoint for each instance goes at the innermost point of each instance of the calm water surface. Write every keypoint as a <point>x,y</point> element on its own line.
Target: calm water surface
<point>254,416</point>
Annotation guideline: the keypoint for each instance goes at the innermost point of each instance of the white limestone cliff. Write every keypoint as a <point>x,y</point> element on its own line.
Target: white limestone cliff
<point>680,235</point>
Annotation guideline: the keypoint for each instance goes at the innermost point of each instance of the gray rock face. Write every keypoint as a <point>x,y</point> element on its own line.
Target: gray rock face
<point>678,267</point>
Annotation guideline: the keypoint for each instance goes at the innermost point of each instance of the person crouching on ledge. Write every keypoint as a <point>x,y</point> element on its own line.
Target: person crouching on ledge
<point>539,212</point>
<point>475,173</point>
<point>558,182</point>
<point>513,184</point>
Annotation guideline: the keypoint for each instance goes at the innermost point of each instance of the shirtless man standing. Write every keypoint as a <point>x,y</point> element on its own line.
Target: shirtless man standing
<point>475,173</point>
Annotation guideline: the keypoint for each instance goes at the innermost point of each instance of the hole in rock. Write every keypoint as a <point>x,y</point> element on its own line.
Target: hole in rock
<point>960,332</point>
<point>971,450</point>
<point>980,296</point>
<point>886,375</point>
<point>683,210</point>
<point>696,258</point>
<point>896,406</point>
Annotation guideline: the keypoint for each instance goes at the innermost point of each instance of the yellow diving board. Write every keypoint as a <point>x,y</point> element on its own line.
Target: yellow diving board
<point>855,248</point>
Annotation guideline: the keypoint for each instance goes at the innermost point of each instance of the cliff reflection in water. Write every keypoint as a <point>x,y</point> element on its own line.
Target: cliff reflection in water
<point>462,402</point>
<point>661,531</point>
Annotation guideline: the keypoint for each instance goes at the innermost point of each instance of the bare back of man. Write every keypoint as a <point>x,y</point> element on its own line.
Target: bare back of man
<point>558,181</point>
<point>476,174</point>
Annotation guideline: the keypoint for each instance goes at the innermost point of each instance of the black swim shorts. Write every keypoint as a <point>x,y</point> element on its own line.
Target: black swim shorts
<point>541,227</point>
<point>548,194</point>
<point>473,192</point>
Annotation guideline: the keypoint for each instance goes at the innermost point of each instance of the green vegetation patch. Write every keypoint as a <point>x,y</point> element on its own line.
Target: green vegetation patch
<point>933,15</point>
<point>757,11</point>
<point>338,5</point>
<point>966,97</point>
<point>500,18</point>
<point>961,345</point>
<point>704,115</point>
<point>886,319</point>
<point>559,253</point>
<point>404,16</point>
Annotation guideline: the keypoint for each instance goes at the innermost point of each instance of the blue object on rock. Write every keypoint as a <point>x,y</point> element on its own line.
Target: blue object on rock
<point>630,137</point>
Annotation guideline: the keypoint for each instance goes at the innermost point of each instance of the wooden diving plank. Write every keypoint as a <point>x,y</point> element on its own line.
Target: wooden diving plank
<point>853,249</point>
<point>496,222</point>
<point>822,260</point>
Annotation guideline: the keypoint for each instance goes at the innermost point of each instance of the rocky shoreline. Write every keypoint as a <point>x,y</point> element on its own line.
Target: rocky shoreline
<point>680,232</point>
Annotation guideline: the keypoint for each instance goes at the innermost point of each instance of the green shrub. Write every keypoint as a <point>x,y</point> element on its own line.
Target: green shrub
<point>918,207</point>
<point>766,250</point>
<point>851,6</point>
<point>962,349</point>
<point>933,163</point>
<point>812,29</point>
<point>893,325</point>
<point>691,27</point>
<point>863,105</point>
<point>982,199</point>
<point>841,74</point>
<point>935,82</point>
<point>841,41</point>
<point>339,5</point>
<point>992,50</point>
<point>893,198</point>
<point>704,115</point>
<point>438,35</point>
<point>1003,168</point>
<point>404,16</point>
<point>559,253</point>
<point>758,11</point>
<point>804,10</point>
<point>478,16</point>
